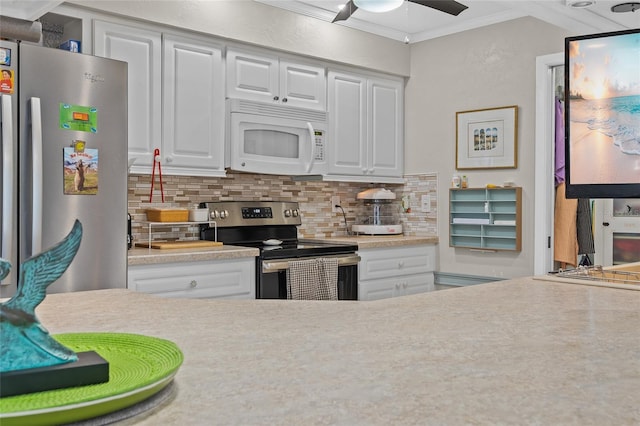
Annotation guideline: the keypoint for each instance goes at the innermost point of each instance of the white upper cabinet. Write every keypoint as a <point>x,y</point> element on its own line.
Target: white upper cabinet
<point>385,127</point>
<point>303,85</point>
<point>366,126</point>
<point>193,107</point>
<point>176,98</point>
<point>142,50</point>
<point>347,152</point>
<point>268,78</point>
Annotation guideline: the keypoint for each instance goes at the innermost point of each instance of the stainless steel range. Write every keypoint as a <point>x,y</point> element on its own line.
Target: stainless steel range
<point>272,226</point>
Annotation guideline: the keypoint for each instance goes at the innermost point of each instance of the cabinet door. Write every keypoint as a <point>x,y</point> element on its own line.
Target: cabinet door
<point>402,285</point>
<point>251,76</point>
<point>415,284</point>
<point>193,113</point>
<point>385,127</point>
<point>347,123</point>
<point>303,86</point>
<point>141,49</point>
<point>377,289</point>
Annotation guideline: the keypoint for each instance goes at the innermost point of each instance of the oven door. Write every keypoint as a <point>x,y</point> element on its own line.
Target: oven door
<point>275,145</point>
<point>271,279</point>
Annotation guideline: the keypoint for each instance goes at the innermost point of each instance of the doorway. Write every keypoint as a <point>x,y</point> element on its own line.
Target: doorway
<point>616,222</point>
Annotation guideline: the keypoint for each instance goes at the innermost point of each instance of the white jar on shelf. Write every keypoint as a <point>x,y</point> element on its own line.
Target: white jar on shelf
<point>197,214</point>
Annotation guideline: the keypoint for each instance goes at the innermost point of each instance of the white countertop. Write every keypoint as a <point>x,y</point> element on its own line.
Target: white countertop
<point>378,241</point>
<point>519,352</point>
<point>146,256</point>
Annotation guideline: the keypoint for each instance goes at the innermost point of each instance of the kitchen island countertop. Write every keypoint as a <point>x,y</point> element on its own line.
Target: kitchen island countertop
<point>521,351</point>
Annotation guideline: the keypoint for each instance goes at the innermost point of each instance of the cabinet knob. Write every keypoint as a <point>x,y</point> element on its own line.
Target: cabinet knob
<point>397,285</point>
<point>193,284</point>
<point>405,285</point>
<point>401,264</point>
<point>275,98</point>
<point>169,159</point>
<point>284,100</point>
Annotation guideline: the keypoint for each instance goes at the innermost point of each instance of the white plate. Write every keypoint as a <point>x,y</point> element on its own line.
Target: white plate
<point>272,242</point>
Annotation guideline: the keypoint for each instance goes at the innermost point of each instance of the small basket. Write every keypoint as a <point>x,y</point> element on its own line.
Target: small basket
<point>167,215</point>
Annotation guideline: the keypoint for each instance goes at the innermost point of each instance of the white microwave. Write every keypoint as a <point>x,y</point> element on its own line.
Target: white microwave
<point>275,139</point>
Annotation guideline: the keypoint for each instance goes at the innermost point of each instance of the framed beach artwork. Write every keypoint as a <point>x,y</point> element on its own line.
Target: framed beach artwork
<point>602,115</point>
<point>487,138</point>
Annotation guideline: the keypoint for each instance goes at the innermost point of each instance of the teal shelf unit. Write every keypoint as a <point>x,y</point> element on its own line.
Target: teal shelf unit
<point>486,218</point>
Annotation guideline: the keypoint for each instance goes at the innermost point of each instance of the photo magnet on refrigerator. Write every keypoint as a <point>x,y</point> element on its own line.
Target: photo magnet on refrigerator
<point>80,169</point>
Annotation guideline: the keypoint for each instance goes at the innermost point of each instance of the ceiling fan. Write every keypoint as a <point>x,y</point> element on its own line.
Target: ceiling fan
<point>447,6</point>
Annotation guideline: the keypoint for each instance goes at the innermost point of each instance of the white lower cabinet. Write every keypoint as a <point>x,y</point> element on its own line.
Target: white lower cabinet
<point>396,271</point>
<point>228,279</point>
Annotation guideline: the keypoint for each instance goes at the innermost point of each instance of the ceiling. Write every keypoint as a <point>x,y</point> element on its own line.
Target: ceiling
<point>413,23</point>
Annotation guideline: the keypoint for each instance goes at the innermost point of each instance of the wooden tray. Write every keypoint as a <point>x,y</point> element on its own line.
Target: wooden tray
<point>167,215</point>
<point>163,245</point>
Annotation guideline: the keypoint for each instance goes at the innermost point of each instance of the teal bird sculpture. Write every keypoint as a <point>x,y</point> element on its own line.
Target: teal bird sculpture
<point>24,342</point>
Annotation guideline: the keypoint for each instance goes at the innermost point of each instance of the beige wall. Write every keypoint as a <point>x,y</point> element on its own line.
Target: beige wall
<point>488,67</point>
<point>263,25</point>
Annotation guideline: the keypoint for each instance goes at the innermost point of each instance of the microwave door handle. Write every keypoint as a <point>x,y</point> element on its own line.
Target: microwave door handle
<point>7,178</point>
<point>313,146</point>
<point>36,165</point>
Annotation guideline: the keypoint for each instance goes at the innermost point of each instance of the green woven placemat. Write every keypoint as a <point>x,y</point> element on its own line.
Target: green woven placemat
<point>139,366</point>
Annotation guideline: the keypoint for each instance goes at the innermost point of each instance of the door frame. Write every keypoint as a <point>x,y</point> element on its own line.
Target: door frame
<point>544,193</point>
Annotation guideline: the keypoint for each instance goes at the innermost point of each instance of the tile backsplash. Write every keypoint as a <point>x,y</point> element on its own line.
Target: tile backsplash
<point>314,197</point>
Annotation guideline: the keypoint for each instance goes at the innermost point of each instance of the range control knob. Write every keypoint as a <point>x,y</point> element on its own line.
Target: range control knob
<point>287,213</point>
<point>224,214</point>
<point>296,213</point>
<point>214,214</point>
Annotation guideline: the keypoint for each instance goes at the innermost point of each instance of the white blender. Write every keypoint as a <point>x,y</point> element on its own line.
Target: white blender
<point>380,213</point>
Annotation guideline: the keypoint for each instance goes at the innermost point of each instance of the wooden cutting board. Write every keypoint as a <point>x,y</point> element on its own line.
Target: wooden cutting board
<point>163,245</point>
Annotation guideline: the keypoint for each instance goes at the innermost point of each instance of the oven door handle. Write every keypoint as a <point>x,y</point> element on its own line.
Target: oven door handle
<point>283,264</point>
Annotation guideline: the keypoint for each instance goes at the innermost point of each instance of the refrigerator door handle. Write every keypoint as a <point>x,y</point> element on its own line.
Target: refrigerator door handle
<point>7,178</point>
<point>37,172</point>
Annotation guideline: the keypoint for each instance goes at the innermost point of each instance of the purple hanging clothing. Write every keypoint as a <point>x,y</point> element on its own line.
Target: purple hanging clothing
<point>559,143</point>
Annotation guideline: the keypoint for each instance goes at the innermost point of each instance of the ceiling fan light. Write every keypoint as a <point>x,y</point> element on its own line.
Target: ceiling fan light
<point>378,5</point>
<point>580,3</point>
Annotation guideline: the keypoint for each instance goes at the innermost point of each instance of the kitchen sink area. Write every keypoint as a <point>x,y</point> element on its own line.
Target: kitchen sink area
<point>626,276</point>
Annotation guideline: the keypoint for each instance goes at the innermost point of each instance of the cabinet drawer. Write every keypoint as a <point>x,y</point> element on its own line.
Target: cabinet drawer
<point>397,261</point>
<point>224,279</point>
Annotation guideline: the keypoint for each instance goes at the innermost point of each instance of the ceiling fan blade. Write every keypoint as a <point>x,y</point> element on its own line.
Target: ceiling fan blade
<point>447,6</point>
<point>345,12</point>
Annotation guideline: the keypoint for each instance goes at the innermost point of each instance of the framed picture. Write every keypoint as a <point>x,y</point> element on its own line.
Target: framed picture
<point>487,138</point>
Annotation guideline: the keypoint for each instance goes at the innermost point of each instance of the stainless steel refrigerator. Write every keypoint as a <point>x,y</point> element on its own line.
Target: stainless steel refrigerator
<point>64,157</point>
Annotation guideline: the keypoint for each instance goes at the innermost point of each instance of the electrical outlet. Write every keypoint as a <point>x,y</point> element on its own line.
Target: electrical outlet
<point>425,202</point>
<point>335,200</point>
